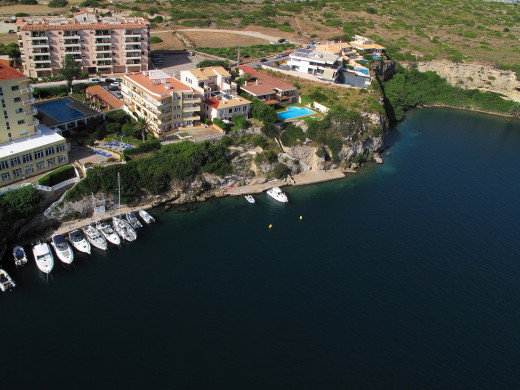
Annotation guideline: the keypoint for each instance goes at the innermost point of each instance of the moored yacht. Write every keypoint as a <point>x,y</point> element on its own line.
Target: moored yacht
<point>79,242</point>
<point>6,282</point>
<point>95,238</point>
<point>124,229</point>
<point>146,216</point>
<point>109,233</point>
<point>250,198</point>
<point>133,221</point>
<point>62,249</point>
<point>276,193</point>
<point>20,258</point>
<point>43,257</point>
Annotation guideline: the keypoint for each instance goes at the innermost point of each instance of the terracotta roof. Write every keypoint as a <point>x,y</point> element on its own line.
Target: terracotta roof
<point>265,83</point>
<point>212,71</point>
<point>217,104</point>
<point>84,12</point>
<point>8,73</point>
<point>158,90</point>
<point>104,95</point>
<point>26,26</point>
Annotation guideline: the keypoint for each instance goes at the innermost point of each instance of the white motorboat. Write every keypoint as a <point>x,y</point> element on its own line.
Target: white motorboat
<point>62,249</point>
<point>133,221</point>
<point>79,242</point>
<point>106,230</point>
<point>20,258</point>
<point>276,193</point>
<point>6,282</point>
<point>95,238</point>
<point>250,198</point>
<point>146,216</point>
<point>124,229</point>
<point>43,257</point>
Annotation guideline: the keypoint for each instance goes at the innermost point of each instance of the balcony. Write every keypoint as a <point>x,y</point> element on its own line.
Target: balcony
<point>39,37</point>
<point>133,62</point>
<point>31,100</point>
<point>102,33</point>
<point>191,109</point>
<point>30,88</point>
<point>40,44</point>
<point>133,34</point>
<point>130,49</point>
<point>34,111</point>
<point>191,118</point>
<point>104,66</point>
<point>191,100</point>
<point>70,34</point>
<point>72,44</point>
<point>104,50</point>
<point>35,122</point>
<point>42,61</point>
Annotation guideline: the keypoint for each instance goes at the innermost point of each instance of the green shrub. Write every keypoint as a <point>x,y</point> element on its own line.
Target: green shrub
<point>155,40</point>
<point>27,2</point>
<point>57,176</point>
<point>58,3</point>
<point>281,170</point>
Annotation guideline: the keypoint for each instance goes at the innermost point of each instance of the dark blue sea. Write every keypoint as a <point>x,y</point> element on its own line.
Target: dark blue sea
<point>404,276</point>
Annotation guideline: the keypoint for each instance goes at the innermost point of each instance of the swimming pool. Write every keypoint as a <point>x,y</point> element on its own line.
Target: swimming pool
<point>59,110</point>
<point>294,112</point>
<point>362,70</point>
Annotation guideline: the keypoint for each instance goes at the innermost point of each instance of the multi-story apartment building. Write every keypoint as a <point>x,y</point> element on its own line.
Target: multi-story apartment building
<point>219,97</point>
<point>105,45</point>
<point>166,102</point>
<point>26,147</point>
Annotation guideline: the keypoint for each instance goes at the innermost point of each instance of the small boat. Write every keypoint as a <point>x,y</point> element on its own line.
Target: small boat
<point>20,258</point>
<point>95,238</point>
<point>133,221</point>
<point>146,216</point>
<point>250,198</point>
<point>106,230</point>
<point>276,193</point>
<point>6,282</point>
<point>62,249</point>
<point>79,242</point>
<point>43,257</point>
<point>124,229</point>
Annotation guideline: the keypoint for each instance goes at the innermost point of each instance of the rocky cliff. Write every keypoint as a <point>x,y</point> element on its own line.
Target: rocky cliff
<point>472,76</point>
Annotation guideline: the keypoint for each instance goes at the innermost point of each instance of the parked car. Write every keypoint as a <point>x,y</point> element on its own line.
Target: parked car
<point>263,59</point>
<point>119,79</point>
<point>272,43</point>
<point>119,95</point>
<point>108,81</point>
<point>279,55</point>
<point>281,40</point>
<point>95,80</point>
<point>287,53</point>
<point>115,84</point>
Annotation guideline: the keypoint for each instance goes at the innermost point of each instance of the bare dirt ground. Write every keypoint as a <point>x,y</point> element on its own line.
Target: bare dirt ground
<point>170,41</point>
<point>8,38</point>
<point>221,39</point>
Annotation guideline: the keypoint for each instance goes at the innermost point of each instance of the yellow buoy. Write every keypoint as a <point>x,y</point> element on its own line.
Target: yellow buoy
<point>270,226</point>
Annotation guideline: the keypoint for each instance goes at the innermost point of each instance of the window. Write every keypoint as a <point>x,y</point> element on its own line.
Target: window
<point>3,165</point>
<point>61,159</point>
<point>15,88</point>
<point>40,166</point>
<point>21,121</point>
<point>6,176</point>
<point>5,114</point>
<point>60,148</point>
<point>28,169</point>
<point>1,92</point>
<point>15,161</point>
<point>23,132</point>
<point>17,172</point>
<point>3,103</point>
<point>8,126</point>
<point>49,151</point>
<point>38,154</point>
<point>27,158</point>
<point>18,110</point>
<point>17,99</point>
<point>51,162</point>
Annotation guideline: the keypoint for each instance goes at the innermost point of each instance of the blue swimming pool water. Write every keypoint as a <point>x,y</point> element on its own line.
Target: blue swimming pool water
<point>60,110</point>
<point>294,112</point>
<point>362,70</point>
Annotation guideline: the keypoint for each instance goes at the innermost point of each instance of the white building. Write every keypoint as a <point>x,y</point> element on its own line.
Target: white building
<point>323,65</point>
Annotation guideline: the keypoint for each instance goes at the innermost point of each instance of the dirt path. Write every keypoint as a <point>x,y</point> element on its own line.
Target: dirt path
<point>241,32</point>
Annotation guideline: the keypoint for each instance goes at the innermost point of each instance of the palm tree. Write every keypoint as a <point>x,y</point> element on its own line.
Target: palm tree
<point>142,126</point>
<point>515,111</point>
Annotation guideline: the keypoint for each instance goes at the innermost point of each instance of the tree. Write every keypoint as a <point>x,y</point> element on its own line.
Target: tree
<point>142,127</point>
<point>70,70</point>
<point>129,129</point>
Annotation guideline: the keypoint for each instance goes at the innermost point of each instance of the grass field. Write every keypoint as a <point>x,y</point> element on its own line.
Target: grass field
<point>201,38</point>
<point>170,41</point>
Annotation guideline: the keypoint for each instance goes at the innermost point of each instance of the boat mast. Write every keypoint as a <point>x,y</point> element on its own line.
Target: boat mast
<point>119,190</point>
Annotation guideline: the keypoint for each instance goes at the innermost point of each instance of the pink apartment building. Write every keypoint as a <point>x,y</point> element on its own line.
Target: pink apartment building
<point>100,44</point>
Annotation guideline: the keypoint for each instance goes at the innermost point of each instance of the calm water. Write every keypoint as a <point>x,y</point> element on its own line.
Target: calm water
<point>60,110</point>
<point>406,276</point>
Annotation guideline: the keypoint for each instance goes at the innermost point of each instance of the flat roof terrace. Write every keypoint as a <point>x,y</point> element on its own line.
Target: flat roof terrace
<point>62,110</point>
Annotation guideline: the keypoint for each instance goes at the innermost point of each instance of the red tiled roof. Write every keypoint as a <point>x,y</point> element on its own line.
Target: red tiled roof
<point>104,95</point>
<point>266,84</point>
<point>8,73</point>
<point>142,81</point>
